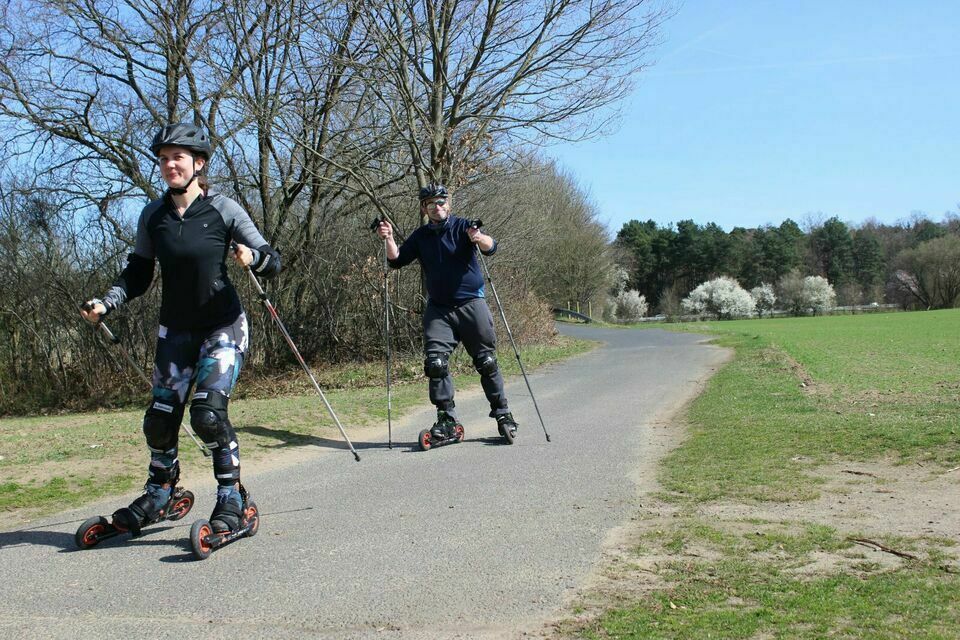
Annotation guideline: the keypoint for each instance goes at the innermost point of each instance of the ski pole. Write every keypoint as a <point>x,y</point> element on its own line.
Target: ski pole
<point>133,363</point>
<point>476,224</point>
<point>283,330</point>
<point>386,324</point>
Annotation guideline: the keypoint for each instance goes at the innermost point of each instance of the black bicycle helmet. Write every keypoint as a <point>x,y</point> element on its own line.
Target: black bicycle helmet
<point>183,135</point>
<point>433,190</point>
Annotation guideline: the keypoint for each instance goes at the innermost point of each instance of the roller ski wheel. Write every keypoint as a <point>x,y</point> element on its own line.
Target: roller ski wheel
<point>204,540</point>
<point>96,529</point>
<point>93,530</point>
<point>507,428</point>
<point>427,440</point>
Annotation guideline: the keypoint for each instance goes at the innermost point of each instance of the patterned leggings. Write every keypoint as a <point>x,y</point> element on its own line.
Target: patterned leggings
<point>211,359</point>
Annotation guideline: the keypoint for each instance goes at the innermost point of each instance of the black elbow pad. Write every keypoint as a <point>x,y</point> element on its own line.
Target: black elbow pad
<point>267,263</point>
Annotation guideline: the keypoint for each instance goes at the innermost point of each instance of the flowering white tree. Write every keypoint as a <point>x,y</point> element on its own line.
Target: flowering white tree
<point>763,298</point>
<point>630,306</point>
<point>802,295</point>
<point>722,297</point>
<point>620,278</point>
<point>818,294</point>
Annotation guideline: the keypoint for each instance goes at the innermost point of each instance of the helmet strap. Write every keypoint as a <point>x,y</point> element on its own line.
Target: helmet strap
<point>179,191</point>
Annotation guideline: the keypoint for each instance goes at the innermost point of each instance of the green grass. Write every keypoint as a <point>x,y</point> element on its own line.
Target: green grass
<point>740,597</point>
<point>58,489</point>
<point>852,387</point>
<point>801,392</point>
<point>50,462</point>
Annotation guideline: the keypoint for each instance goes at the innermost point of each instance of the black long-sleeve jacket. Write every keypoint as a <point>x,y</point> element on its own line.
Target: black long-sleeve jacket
<point>192,251</point>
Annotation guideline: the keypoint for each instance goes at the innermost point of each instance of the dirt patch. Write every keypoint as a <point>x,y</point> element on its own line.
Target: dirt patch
<point>854,561</point>
<point>776,355</point>
<point>873,498</point>
<point>908,509</point>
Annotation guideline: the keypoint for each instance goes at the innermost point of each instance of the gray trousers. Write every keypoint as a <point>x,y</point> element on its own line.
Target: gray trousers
<point>472,324</point>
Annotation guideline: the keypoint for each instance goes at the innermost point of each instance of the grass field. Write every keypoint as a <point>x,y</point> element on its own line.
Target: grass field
<point>52,462</point>
<point>800,395</point>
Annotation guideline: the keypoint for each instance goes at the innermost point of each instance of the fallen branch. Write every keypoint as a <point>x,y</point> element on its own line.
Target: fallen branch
<point>877,545</point>
<point>858,473</point>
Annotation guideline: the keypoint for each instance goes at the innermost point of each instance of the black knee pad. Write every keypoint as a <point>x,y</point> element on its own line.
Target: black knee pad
<point>435,365</point>
<point>486,364</point>
<point>208,417</point>
<point>160,425</point>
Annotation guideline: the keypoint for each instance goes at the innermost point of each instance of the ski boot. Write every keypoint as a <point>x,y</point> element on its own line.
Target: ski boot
<point>446,430</point>
<point>507,427</point>
<point>156,504</point>
<point>231,520</point>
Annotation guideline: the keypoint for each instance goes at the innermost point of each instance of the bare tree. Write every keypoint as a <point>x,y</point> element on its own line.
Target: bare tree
<point>322,114</point>
<point>83,82</point>
<point>464,80</point>
<point>547,227</point>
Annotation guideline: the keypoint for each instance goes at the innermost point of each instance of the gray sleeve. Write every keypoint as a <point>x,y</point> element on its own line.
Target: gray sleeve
<point>266,260</point>
<point>239,223</point>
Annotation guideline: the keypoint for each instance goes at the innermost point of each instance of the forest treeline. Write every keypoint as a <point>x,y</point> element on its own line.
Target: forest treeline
<point>914,263</point>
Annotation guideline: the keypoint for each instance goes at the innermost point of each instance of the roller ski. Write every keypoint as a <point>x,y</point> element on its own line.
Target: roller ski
<point>445,431</point>
<point>507,427</point>
<point>158,503</point>
<point>234,517</point>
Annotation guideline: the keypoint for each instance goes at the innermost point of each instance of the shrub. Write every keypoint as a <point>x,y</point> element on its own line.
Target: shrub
<point>722,297</point>
<point>818,294</point>
<point>764,298</point>
<point>631,306</point>
<point>811,294</point>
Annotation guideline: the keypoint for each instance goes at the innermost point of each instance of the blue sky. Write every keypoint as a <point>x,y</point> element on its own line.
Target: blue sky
<point>758,111</point>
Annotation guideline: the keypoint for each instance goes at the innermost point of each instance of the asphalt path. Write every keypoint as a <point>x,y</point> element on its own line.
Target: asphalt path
<point>472,540</point>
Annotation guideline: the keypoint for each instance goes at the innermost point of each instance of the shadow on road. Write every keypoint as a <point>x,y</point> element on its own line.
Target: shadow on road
<point>57,539</point>
<point>291,439</point>
<point>287,438</point>
<point>65,540</point>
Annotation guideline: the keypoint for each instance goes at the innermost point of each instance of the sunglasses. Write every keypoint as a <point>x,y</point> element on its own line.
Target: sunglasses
<point>439,202</point>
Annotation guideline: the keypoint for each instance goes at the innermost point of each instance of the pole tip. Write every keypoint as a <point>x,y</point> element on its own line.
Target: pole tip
<point>548,437</point>
<point>356,456</point>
